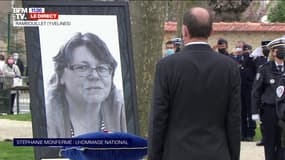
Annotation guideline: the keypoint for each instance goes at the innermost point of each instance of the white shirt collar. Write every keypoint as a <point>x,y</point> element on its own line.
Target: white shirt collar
<point>190,43</point>
<point>279,64</point>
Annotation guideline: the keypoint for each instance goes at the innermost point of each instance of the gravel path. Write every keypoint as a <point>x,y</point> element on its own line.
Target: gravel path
<point>10,129</point>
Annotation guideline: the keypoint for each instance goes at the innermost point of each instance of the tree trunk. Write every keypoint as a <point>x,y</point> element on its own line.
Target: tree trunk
<point>147,24</point>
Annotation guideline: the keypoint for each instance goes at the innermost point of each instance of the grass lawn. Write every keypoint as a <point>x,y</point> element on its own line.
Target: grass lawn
<point>19,117</point>
<point>9,152</point>
<point>257,136</point>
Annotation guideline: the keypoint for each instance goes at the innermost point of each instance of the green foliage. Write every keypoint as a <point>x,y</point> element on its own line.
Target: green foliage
<point>277,13</point>
<point>18,117</point>
<point>258,135</point>
<point>10,152</point>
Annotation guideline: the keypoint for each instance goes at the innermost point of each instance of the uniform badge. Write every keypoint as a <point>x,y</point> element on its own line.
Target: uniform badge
<point>279,91</point>
<point>272,81</point>
<point>257,76</point>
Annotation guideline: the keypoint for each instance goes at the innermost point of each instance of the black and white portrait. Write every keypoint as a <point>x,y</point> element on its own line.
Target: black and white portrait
<point>81,73</point>
<point>82,76</point>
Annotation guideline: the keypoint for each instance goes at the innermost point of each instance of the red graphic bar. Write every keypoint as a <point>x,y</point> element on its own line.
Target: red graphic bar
<point>46,15</point>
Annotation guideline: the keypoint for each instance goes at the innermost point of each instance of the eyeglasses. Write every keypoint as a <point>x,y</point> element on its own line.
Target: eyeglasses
<point>84,70</point>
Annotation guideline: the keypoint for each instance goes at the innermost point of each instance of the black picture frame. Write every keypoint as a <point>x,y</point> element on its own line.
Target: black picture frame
<point>34,59</point>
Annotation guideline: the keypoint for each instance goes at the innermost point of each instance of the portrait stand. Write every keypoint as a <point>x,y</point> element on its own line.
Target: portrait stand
<point>43,41</point>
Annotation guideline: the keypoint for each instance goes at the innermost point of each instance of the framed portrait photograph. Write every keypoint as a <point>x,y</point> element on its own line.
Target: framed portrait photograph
<point>81,69</point>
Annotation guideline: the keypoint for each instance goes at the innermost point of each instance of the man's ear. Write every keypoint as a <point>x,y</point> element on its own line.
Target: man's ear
<point>211,33</point>
<point>185,31</point>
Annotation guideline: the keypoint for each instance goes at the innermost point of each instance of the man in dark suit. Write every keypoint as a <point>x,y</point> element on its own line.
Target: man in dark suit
<point>196,101</point>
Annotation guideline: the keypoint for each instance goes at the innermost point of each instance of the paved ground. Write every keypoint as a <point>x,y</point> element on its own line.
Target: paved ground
<point>14,129</point>
<point>249,151</point>
<point>10,129</point>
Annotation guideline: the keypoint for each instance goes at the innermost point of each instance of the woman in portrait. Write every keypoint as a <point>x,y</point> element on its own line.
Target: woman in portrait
<point>81,95</point>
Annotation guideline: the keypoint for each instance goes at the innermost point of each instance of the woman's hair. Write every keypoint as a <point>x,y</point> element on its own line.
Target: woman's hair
<point>97,47</point>
<point>56,105</point>
<point>270,55</point>
<point>64,57</point>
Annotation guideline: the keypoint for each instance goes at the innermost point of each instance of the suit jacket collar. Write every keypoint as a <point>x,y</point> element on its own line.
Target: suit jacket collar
<point>199,47</point>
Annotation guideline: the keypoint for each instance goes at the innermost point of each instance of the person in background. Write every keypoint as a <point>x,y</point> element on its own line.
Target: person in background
<point>259,61</point>
<point>237,55</point>
<point>2,63</point>
<point>177,44</point>
<point>19,63</point>
<point>240,46</point>
<point>247,72</point>
<point>280,101</point>
<point>11,70</point>
<point>169,48</point>
<point>264,95</point>
<point>258,51</point>
<point>222,46</point>
<point>262,58</point>
<point>188,119</point>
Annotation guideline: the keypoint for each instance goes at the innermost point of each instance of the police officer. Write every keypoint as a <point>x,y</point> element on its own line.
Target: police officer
<point>280,105</point>
<point>259,61</point>
<point>169,48</point>
<point>178,44</point>
<point>222,46</point>
<point>263,95</point>
<point>262,59</point>
<point>247,72</point>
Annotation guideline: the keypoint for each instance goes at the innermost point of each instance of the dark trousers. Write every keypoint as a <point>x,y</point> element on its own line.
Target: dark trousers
<point>13,95</point>
<point>247,124</point>
<point>272,134</point>
<point>261,112</point>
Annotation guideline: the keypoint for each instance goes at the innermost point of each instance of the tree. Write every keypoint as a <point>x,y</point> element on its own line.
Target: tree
<point>255,11</point>
<point>228,10</point>
<point>277,13</point>
<point>147,24</point>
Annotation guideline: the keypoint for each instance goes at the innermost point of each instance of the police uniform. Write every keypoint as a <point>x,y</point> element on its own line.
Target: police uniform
<point>259,61</point>
<point>247,72</point>
<point>262,53</point>
<point>280,105</point>
<point>264,96</point>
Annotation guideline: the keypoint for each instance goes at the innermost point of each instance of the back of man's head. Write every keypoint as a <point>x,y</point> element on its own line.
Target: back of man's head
<point>199,22</point>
